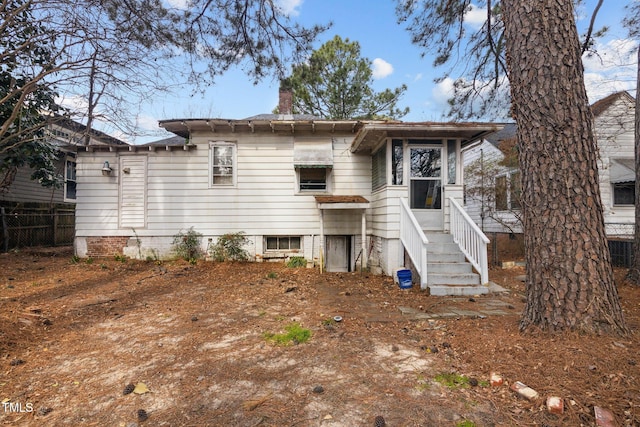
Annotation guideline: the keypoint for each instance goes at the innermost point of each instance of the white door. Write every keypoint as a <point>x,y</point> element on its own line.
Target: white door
<point>133,190</point>
<point>337,253</point>
<point>425,187</point>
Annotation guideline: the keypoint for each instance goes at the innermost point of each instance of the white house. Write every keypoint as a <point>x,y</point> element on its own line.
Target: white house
<point>343,194</point>
<point>497,211</point>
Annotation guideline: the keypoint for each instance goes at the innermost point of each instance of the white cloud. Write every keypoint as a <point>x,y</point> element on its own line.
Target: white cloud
<point>289,7</point>
<point>612,69</point>
<point>417,77</point>
<point>381,68</point>
<point>179,4</point>
<point>475,16</point>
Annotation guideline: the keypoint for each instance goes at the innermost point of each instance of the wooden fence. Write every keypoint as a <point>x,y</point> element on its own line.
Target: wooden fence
<point>28,227</point>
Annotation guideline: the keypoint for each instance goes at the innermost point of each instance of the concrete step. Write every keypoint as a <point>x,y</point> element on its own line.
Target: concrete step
<point>449,267</point>
<point>439,247</point>
<point>462,290</point>
<point>453,278</point>
<point>438,237</point>
<point>445,257</point>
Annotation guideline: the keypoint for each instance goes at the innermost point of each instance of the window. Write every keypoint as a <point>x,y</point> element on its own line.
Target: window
<point>222,163</point>
<point>425,173</point>
<point>379,168</point>
<point>70,177</point>
<point>451,161</point>
<point>312,179</point>
<point>508,191</point>
<point>287,243</point>
<point>624,193</point>
<point>502,203</point>
<point>396,161</point>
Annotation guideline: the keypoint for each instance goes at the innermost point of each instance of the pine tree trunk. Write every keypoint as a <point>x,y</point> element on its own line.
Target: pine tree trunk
<point>570,282</point>
<point>634,271</point>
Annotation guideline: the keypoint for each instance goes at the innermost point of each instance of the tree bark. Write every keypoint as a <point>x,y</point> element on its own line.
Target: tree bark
<point>633,275</point>
<point>570,282</point>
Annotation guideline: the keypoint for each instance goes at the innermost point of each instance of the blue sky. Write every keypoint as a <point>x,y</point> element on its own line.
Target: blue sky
<point>373,24</point>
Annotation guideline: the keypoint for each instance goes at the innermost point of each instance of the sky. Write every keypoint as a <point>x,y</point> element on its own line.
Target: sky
<point>373,24</point>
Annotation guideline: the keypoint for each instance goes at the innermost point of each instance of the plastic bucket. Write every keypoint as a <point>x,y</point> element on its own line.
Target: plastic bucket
<point>404,279</point>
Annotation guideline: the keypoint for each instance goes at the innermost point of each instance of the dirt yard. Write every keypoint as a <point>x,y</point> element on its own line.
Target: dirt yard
<point>126,343</point>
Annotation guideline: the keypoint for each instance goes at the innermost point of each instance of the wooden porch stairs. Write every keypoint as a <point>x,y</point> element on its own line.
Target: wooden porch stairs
<point>448,272</point>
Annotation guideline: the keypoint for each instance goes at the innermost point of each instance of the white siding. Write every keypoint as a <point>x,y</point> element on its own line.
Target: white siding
<point>24,189</point>
<point>474,204</point>
<point>614,130</point>
<point>264,201</point>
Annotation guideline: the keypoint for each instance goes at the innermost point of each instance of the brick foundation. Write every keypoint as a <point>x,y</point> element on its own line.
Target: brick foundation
<point>105,246</point>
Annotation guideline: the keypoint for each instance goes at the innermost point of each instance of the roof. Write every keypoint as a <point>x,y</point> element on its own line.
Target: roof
<point>72,125</point>
<point>601,106</point>
<point>367,133</point>
<point>507,132</point>
<point>270,123</point>
<point>370,134</point>
<point>342,202</point>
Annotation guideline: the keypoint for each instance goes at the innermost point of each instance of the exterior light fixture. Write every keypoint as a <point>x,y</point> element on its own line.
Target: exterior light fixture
<point>106,169</point>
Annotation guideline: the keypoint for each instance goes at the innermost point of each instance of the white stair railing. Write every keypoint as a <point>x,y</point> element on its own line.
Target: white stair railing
<point>414,241</point>
<point>471,240</point>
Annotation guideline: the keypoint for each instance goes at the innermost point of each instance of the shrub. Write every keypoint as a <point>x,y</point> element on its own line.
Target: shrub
<point>229,247</point>
<point>187,245</point>
<point>297,261</point>
<point>295,334</point>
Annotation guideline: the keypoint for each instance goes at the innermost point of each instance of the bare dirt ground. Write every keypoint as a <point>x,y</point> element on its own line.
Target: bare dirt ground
<point>73,336</point>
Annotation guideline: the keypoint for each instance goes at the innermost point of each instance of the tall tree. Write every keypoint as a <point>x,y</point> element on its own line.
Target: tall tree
<point>26,104</point>
<point>336,83</point>
<point>570,282</point>
<point>112,55</point>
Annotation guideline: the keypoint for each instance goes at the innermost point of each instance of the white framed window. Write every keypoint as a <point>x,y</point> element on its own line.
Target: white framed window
<point>313,180</point>
<point>222,157</point>
<point>508,191</point>
<point>283,243</point>
<point>70,177</point>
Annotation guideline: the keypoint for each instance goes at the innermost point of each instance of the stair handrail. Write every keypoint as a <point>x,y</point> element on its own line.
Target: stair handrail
<point>414,241</point>
<point>470,239</point>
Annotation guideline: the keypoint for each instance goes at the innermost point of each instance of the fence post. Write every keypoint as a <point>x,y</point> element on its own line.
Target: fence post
<point>56,224</point>
<point>5,230</point>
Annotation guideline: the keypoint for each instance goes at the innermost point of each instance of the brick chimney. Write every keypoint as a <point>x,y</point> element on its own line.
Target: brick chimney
<point>285,101</point>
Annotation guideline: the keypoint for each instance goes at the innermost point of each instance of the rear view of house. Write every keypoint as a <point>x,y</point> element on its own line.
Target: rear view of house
<point>333,192</point>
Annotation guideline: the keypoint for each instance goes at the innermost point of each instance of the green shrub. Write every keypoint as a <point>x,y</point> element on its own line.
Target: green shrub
<point>295,334</point>
<point>187,245</point>
<point>229,247</point>
<point>452,380</point>
<point>297,261</point>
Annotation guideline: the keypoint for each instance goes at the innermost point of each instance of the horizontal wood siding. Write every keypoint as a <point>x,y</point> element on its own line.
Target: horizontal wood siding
<point>614,130</point>
<point>24,189</point>
<point>263,201</point>
<point>473,204</point>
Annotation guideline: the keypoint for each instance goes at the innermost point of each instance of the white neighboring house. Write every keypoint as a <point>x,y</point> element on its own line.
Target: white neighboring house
<point>327,190</point>
<point>614,129</point>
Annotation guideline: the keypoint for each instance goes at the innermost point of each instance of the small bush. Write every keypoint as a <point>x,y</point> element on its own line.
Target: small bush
<point>229,247</point>
<point>452,380</point>
<point>187,245</point>
<point>297,261</point>
<point>295,334</point>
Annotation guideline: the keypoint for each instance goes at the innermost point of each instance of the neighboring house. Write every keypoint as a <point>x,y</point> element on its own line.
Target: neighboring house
<point>296,185</point>
<point>498,210</point>
<point>65,135</point>
<point>34,215</point>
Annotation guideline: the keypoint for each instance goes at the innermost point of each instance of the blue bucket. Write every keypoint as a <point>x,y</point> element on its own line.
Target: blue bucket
<point>404,279</point>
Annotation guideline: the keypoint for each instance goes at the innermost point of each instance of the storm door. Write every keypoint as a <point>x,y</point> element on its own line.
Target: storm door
<point>425,176</point>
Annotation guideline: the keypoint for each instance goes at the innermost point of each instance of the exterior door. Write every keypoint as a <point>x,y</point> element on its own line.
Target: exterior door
<point>337,253</point>
<point>425,185</point>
